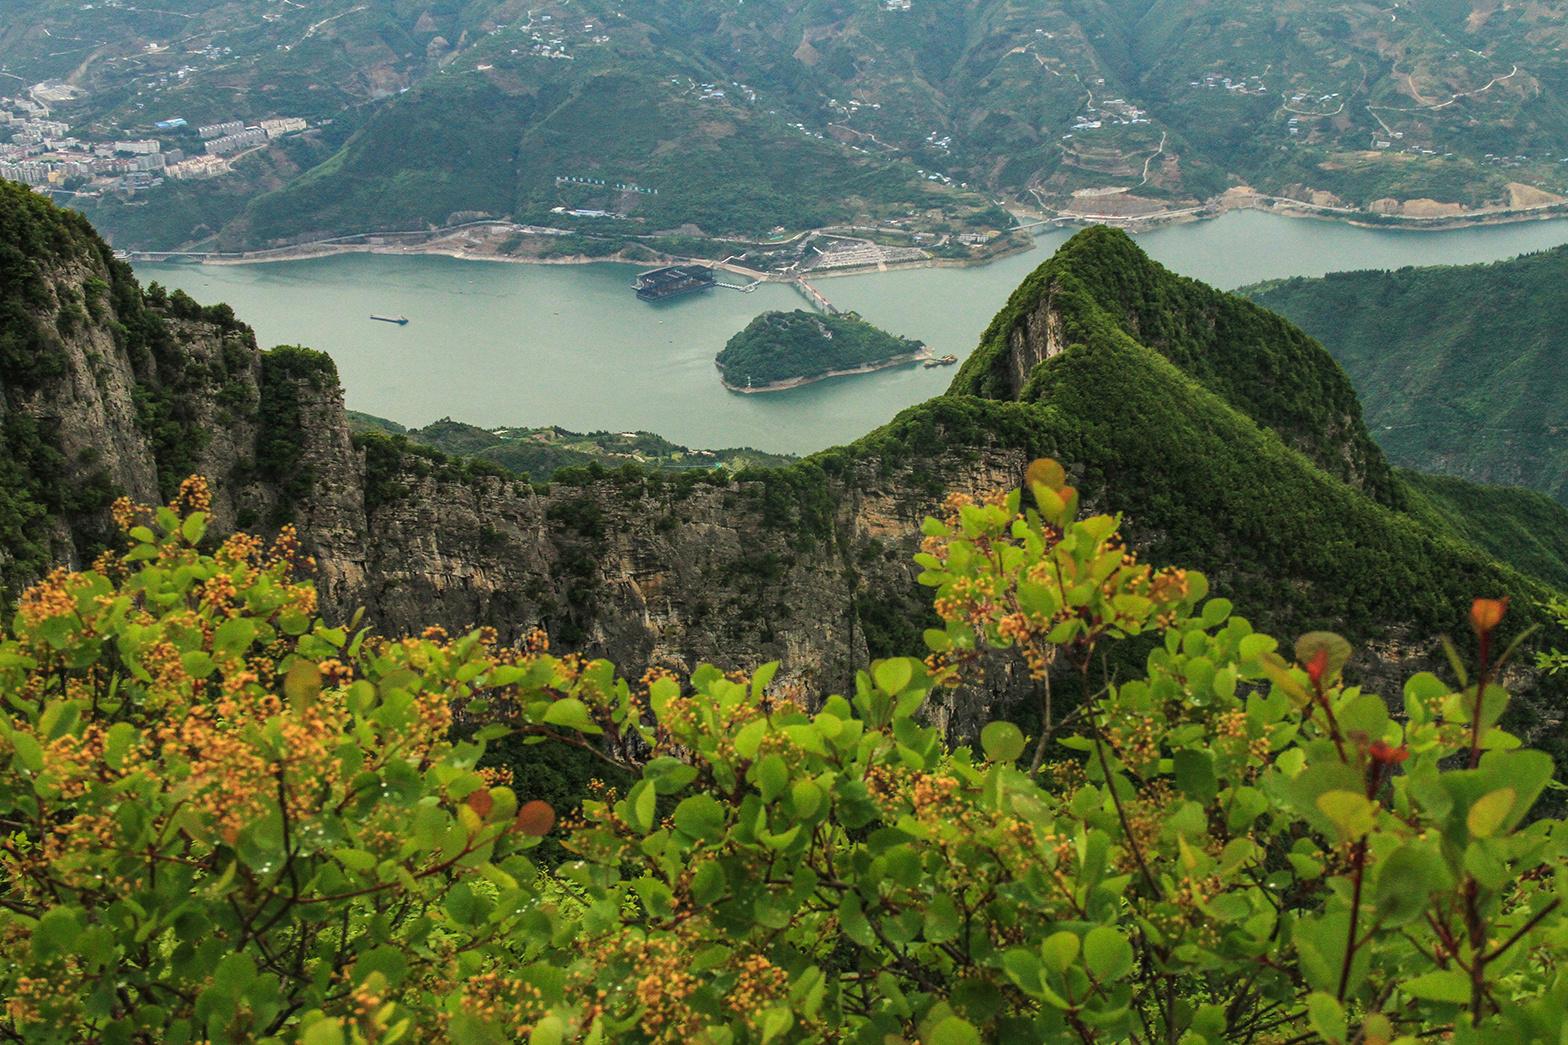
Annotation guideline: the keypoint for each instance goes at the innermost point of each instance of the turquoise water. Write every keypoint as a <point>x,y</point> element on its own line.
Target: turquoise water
<point>500,344</point>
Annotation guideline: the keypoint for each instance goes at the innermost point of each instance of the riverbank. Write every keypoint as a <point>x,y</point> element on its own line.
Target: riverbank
<point>467,242</point>
<point>921,356</point>
<point>572,345</point>
<point>1241,199</point>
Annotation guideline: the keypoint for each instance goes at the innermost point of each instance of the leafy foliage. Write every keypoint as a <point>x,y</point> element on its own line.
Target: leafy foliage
<point>227,819</point>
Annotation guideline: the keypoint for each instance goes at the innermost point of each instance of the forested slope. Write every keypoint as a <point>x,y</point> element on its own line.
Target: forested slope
<point>1459,368</point>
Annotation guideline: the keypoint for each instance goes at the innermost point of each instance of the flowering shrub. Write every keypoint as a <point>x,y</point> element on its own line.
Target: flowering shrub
<point>226,820</point>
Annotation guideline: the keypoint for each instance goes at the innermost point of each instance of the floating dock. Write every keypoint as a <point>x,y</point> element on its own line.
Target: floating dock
<point>673,281</point>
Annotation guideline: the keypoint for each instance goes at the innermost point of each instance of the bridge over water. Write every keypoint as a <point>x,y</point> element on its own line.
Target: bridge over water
<point>816,297</point>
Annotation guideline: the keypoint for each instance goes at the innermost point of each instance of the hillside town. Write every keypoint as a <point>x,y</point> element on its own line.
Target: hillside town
<point>39,150</point>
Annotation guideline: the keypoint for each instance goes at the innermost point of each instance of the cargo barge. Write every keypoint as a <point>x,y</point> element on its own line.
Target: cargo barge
<point>673,281</point>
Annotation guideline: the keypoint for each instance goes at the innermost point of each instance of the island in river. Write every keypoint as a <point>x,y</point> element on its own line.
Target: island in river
<point>780,350</point>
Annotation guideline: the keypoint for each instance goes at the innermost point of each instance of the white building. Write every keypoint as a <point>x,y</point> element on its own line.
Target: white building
<point>285,125</point>
<point>219,130</point>
<point>236,142</point>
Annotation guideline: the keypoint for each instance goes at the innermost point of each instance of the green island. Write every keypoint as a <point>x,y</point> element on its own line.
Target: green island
<point>780,350</point>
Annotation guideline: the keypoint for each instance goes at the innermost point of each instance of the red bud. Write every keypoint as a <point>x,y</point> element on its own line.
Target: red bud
<point>1487,614</point>
<point>1317,667</point>
<point>1382,753</point>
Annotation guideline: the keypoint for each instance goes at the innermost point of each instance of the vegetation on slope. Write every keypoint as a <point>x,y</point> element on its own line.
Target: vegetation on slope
<point>1101,288</point>
<point>1525,529</point>
<point>1459,368</point>
<point>228,819</point>
<point>788,348</point>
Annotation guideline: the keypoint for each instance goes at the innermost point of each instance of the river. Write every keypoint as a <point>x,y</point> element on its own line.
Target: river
<point>501,344</point>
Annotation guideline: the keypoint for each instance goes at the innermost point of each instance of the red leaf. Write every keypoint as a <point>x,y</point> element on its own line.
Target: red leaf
<point>534,819</point>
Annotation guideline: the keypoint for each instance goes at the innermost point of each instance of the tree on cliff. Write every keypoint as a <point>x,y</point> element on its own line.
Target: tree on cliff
<point>224,819</point>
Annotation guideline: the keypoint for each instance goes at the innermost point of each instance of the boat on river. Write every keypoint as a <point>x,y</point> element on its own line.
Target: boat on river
<point>401,321</point>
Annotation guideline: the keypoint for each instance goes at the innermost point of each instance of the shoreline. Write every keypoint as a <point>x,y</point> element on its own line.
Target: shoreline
<point>800,382</point>
<point>1134,224</point>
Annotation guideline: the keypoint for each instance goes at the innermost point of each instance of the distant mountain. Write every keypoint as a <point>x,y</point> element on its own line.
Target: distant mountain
<point>1230,439</point>
<point>1460,368</point>
<point>745,117</point>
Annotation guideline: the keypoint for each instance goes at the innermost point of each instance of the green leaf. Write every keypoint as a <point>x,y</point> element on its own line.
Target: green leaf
<point>806,797</point>
<point>1002,741</point>
<point>28,754</point>
<point>571,713</point>
<point>194,528</point>
<point>117,743</point>
<point>1327,1016</point>
<point>302,684</point>
<point>776,1022</point>
<point>772,775</point>
<point>234,973</point>
<point>953,1031</point>
<point>1023,968</point>
<point>1215,611</point>
<point>234,635</point>
<point>762,677</point>
<point>892,676</point>
<point>708,882</point>
<point>1107,953</point>
<point>323,1032</point>
<point>1406,880</point>
<point>942,920</point>
<point>355,859</point>
<point>1444,986</point>
<point>1195,774</point>
<point>548,1031</point>
<point>198,664</point>
<point>1349,811</point>
<point>1527,772</point>
<point>644,799</point>
<point>1060,950</point>
<point>699,816</point>
<point>1489,811</point>
<point>1333,648</point>
<point>669,775</point>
